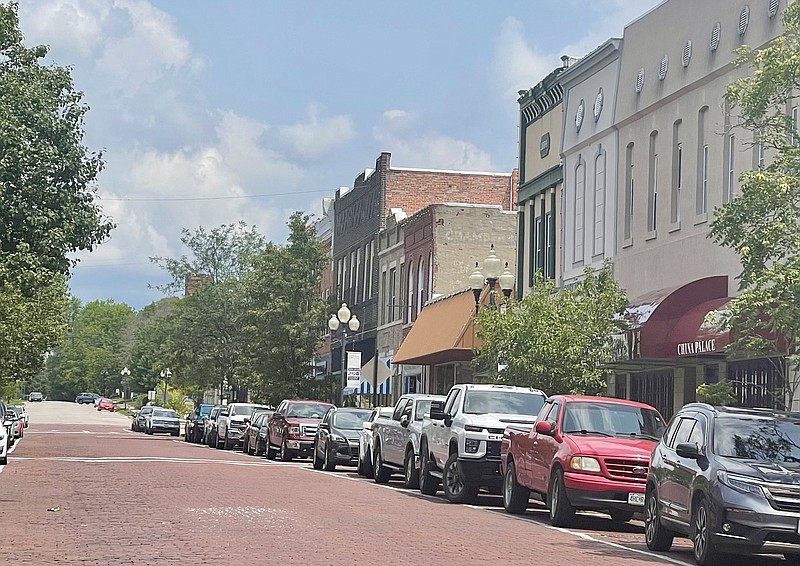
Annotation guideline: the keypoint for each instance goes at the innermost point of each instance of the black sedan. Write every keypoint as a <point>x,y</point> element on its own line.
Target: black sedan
<point>338,438</point>
<point>251,443</point>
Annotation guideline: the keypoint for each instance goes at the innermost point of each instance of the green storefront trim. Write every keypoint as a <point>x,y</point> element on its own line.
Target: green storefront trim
<point>540,184</point>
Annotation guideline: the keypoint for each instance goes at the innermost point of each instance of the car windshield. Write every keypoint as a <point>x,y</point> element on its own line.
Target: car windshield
<point>612,419</point>
<point>765,440</point>
<point>245,410</point>
<point>504,402</point>
<point>165,413</point>
<point>350,420</point>
<point>307,410</point>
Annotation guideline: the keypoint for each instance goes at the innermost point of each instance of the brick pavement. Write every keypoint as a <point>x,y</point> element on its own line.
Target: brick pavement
<point>127,498</point>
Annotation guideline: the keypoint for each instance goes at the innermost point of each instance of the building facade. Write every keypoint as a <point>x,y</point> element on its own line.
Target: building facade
<point>541,176</point>
<point>589,150</point>
<point>360,215</point>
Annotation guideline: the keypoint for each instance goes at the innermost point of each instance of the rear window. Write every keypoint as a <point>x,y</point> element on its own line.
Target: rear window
<point>308,410</point>
<point>167,413</point>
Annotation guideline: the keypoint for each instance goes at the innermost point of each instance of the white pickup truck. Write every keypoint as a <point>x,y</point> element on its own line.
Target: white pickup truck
<point>395,439</point>
<point>460,442</point>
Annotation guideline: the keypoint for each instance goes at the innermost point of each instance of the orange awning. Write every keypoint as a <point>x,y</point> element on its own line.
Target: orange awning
<point>444,332</point>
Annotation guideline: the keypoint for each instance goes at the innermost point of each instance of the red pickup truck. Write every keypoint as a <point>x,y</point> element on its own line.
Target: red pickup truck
<point>583,453</point>
<point>292,428</point>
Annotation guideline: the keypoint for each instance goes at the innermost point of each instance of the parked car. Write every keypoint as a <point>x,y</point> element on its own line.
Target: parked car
<point>4,440</point>
<point>728,479</point>
<point>8,420</point>
<point>105,404</point>
<point>365,444</point>
<point>84,398</point>
<point>97,399</point>
<point>231,423</point>
<point>338,436</point>
<point>210,426</point>
<point>140,418</point>
<point>195,422</point>
<point>250,443</point>
<point>460,442</point>
<point>583,453</point>
<point>17,424</point>
<point>162,420</point>
<point>396,439</point>
<point>23,414</point>
<point>293,427</point>
<point>36,396</point>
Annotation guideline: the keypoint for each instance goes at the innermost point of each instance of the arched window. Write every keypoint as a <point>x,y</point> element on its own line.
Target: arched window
<point>420,284</point>
<point>578,212</point>
<point>410,291</point>
<point>598,247</point>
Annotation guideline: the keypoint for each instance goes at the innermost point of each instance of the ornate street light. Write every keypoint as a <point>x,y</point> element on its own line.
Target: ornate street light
<point>125,373</point>
<point>492,273</point>
<point>343,319</point>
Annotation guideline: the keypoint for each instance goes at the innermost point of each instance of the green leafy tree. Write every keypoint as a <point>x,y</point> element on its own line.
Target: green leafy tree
<point>720,393</point>
<point>47,200</point>
<point>761,223</point>
<point>552,339</point>
<point>284,315</point>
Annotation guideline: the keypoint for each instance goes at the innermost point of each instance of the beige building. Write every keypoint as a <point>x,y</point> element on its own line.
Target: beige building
<point>680,156</point>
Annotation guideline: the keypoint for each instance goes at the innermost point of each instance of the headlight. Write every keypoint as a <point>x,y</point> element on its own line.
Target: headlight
<point>337,438</point>
<point>294,430</point>
<point>740,483</point>
<point>584,464</point>
<point>471,445</point>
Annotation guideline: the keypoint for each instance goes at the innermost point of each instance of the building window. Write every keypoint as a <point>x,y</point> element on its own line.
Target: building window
<point>539,249</point>
<point>410,292</point>
<point>677,173</point>
<point>760,152</point>
<point>599,203</point>
<point>578,213</point>
<point>731,177</point>
<point>385,314</point>
<point>392,294</point>
<point>547,268</point>
<point>430,274</point>
<point>628,224</point>
<point>420,284</point>
<point>701,202</point>
<point>652,196</point>
<point>340,278</point>
<point>534,245</point>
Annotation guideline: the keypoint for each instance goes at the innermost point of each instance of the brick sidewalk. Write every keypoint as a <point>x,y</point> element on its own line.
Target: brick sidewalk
<point>207,506</point>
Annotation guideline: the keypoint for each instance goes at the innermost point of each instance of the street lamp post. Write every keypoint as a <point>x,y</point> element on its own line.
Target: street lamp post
<point>165,375</point>
<point>492,273</point>
<point>124,373</point>
<point>343,319</point>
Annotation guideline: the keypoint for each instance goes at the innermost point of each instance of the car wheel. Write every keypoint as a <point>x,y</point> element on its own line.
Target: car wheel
<point>226,444</point>
<point>381,473</point>
<point>149,431</point>
<point>620,515</point>
<point>410,471</point>
<point>186,436</point>
<point>176,433</point>
<point>655,535</point>
<point>360,468</point>
<point>561,511</point>
<point>515,496</point>
<point>455,485</point>
<point>270,451</point>
<point>259,448</point>
<point>705,552</point>
<point>315,461</point>
<point>368,471</point>
<point>327,465</point>
<point>428,484</point>
<point>285,454</point>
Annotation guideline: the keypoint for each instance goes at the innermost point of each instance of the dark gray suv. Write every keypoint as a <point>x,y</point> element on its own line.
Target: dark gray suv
<point>729,479</point>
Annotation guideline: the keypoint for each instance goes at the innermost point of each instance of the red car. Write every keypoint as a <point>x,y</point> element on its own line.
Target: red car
<point>292,428</point>
<point>105,404</point>
<point>583,453</point>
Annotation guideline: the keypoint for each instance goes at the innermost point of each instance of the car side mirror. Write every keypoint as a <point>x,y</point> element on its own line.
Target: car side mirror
<point>545,427</point>
<point>404,420</point>
<point>688,450</point>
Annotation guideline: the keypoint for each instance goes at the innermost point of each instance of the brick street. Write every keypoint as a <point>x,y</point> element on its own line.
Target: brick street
<point>127,498</point>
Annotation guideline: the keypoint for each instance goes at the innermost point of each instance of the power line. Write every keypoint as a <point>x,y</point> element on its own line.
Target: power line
<point>234,197</point>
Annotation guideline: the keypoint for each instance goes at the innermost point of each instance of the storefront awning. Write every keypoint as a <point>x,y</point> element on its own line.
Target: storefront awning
<point>679,322</point>
<point>443,333</point>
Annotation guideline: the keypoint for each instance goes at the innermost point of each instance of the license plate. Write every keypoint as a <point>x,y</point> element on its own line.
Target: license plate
<point>636,499</point>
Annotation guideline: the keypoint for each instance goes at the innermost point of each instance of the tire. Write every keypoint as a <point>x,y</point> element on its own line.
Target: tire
<point>149,431</point>
<point>410,471</point>
<point>226,444</point>
<point>381,473</point>
<point>259,450</point>
<point>368,471</point>
<point>456,487</point>
<point>428,484</point>
<point>620,515</point>
<point>315,461</point>
<point>327,465</point>
<point>561,511</point>
<point>176,434</point>
<point>285,454</point>
<point>515,496</point>
<point>270,451</point>
<point>656,536</point>
<point>705,553</point>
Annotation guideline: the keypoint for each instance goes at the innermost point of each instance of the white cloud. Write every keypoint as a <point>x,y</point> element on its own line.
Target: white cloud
<point>411,148</point>
<point>317,136</point>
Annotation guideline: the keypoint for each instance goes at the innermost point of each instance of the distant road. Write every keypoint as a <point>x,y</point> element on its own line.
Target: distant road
<point>62,412</point>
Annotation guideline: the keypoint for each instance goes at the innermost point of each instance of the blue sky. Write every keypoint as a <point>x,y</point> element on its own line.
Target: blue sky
<point>219,103</point>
